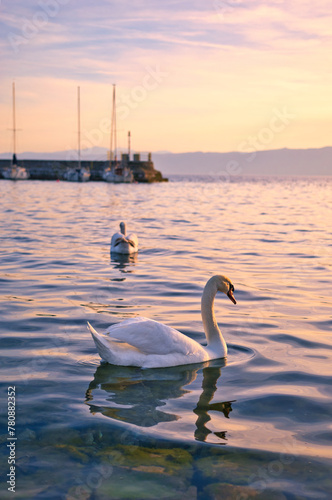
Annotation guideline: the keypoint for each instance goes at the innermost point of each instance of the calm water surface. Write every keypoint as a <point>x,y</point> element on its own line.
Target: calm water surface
<point>256,425</point>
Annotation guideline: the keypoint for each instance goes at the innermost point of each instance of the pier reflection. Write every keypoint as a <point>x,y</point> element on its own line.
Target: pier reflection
<point>144,397</point>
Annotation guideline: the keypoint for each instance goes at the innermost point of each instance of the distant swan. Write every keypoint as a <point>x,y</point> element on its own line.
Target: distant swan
<point>148,344</point>
<point>123,243</point>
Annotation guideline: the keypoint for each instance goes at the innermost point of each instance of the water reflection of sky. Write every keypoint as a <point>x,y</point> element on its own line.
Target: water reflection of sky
<point>272,238</point>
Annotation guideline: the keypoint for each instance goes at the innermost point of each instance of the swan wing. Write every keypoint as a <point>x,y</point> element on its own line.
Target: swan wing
<point>132,238</point>
<point>125,244</point>
<point>115,238</point>
<point>150,337</point>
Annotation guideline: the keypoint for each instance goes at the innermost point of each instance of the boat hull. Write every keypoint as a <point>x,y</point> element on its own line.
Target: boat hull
<point>77,175</point>
<point>126,176</point>
<point>15,173</point>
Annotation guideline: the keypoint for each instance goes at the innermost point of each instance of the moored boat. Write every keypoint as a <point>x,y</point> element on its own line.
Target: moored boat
<point>77,174</point>
<point>118,173</point>
<point>15,173</point>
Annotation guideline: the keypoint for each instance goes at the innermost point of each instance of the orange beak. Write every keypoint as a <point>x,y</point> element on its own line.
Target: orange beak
<point>231,296</point>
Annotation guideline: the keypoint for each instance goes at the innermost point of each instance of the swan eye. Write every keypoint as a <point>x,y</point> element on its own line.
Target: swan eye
<point>231,288</point>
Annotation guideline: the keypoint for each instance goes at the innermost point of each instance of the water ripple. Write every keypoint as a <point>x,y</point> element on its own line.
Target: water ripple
<point>270,398</point>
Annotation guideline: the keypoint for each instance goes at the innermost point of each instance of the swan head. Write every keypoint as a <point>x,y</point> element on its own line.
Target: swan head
<point>226,286</point>
<point>123,228</point>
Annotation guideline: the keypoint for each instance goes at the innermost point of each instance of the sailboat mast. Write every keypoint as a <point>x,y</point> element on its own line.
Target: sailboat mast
<point>79,126</point>
<point>14,125</point>
<point>114,118</point>
<point>113,130</point>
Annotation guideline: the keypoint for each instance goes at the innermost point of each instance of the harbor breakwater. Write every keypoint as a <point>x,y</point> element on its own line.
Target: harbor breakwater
<point>143,171</point>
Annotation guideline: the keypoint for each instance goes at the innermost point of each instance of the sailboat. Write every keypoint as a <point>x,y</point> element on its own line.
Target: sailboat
<point>15,172</point>
<point>78,174</point>
<point>117,171</point>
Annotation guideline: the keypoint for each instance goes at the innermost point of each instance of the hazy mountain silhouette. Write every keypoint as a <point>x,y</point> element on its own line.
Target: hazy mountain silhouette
<point>273,162</point>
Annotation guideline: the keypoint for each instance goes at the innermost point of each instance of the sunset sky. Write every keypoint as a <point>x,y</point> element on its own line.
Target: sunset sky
<point>190,75</point>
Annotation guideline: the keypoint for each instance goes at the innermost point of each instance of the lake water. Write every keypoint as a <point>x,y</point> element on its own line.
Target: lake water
<point>256,425</point>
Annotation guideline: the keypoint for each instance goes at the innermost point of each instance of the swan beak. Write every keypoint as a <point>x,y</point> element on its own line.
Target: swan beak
<point>231,296</point>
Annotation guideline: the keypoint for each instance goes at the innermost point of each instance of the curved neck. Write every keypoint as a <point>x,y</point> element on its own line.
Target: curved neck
<point>212,332</point>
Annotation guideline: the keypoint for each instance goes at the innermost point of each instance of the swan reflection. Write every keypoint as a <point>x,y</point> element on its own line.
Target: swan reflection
<point>204,405</point>
<point>123,262</point>
<point>138,396</point>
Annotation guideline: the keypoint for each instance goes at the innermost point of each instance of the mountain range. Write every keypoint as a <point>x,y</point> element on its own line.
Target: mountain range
<point>278,162</point>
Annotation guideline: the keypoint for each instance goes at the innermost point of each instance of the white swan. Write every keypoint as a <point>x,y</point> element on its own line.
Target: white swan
<point>146,343</point>
<point>123,243</point>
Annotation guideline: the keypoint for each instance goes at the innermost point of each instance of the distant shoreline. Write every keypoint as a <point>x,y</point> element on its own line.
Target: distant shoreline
<point>277,162</point>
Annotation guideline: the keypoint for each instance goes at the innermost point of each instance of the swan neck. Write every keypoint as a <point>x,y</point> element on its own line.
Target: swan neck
<point>212,332</point>
<point>123,228</point>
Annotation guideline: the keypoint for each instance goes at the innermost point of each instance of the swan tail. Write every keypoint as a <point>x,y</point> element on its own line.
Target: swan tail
<point>92,330</point>
<point>102,345</point>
